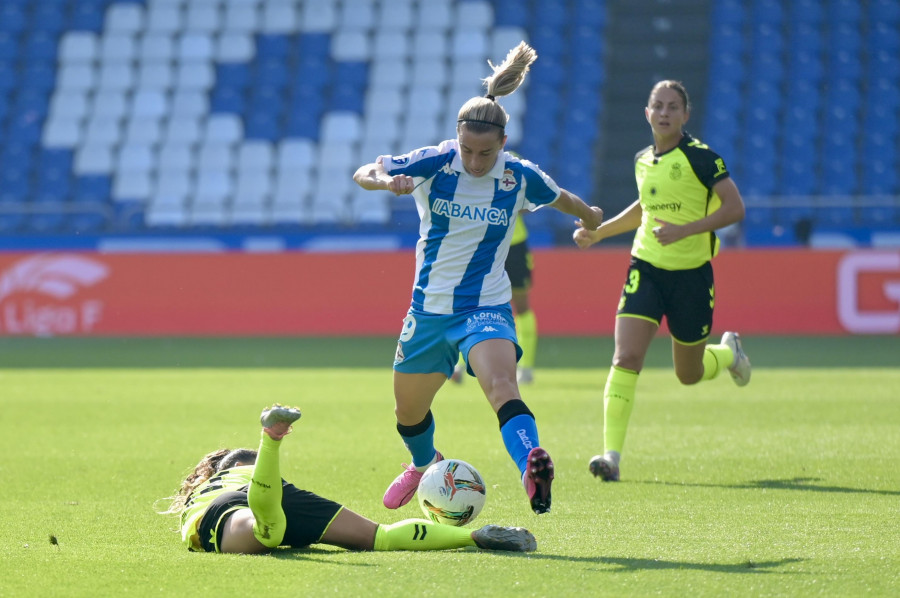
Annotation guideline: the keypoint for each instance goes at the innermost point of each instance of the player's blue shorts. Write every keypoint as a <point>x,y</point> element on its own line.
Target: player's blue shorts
<point>432,342</point>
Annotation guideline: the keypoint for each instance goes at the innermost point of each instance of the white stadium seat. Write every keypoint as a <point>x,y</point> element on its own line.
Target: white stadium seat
<point>61,132</point>
<point>279,17</point>
<point>78,47</point>
<point>235,46</point>
<point>93,159</point>
<point>118,47</point>
<point>156,46</point>
<point>69,104</point>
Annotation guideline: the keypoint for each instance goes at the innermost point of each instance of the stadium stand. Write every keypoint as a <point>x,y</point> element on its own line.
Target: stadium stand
<point>178,116</point>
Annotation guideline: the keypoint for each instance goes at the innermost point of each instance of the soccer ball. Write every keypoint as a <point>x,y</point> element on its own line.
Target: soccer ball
<point>451,492</point>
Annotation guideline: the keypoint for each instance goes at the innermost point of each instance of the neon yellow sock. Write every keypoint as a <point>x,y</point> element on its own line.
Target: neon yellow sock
<point>715,359</point>
<point>264,494</point>
<point>618,400</point>
<point>421,534</point>
<point>526,331</point>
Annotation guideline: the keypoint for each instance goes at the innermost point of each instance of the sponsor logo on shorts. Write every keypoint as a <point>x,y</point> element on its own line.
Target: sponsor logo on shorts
<point>486,319</point>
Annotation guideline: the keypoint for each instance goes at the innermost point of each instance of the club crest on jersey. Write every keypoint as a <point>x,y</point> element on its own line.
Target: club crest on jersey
<point>675,173</point>
<point>449,209</point>
<point>508,181</point>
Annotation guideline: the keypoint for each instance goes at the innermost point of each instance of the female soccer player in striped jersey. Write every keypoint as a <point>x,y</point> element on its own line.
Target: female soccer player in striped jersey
<point>685,194</point>
<point>235,501</point>
<point>468,192</point>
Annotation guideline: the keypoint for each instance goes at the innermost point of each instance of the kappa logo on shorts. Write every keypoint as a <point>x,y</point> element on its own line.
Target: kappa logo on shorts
<point>489,329</point>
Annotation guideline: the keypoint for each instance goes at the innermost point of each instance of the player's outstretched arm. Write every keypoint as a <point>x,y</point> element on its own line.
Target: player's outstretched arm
<point>589,217</point>
<point>626,220</point>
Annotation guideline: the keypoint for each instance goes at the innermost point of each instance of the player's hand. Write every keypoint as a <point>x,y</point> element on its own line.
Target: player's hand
<point>401,185</point>
<point>583,237</point>
<point>667,233</point>
<point>594,220</point>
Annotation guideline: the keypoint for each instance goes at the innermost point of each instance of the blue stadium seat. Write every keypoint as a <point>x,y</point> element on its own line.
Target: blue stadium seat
<point>883,63</point>
<point>47,18</point>
<point>45,222</point>
<point>585,38</point>
<point>42,46</point>
<point>844,93</point>
<point>884,11</point>
<point>87,16</point>
<point>232,74</point>
<point>839,176</point>
<point>728,12</point>
<point>346,98</point>
<point>9,76</point>
<point>844,215</point>
<point>725,37</point>
<point>805,37</point>
<point>806,66</point>
<point>878,216</point>
<point>227,99</point>
<point>53,186</point>
<point>265,99</point>
<point>272,46</point>
<point>262,125</point>
<point>313,45</point>
<point>17,157</point>
<point>547,38</point>
<point>12,18</point>
<point>764,94</point>
<point>884,36</point>
<point>354,74</point>
<point>798,177</point>
<point>55,160</point>
<point>92,188</point>
<point>591,13</point>
<point>312,72</point>
<point>768,11</point>
<point>880,177</point>
<point>727,66</point>
<point>845,11</point>
<point>767,66</point>
<point>766,37</point>
<point>508,13</point>
<point>9,46</point>
<point>845,65</point>
<point>270,73</point>
<point>806,11</point>
<point>845,36</point>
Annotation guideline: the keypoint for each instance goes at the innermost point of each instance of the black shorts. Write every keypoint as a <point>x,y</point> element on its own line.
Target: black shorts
<point>519,264</point>
<point>685,297</point>
<point>308,516</point>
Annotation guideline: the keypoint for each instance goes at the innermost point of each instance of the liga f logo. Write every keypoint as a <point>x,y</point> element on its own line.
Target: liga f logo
<point>48,285</point>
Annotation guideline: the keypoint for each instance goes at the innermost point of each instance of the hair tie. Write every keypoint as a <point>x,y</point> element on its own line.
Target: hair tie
<point>490,97</point>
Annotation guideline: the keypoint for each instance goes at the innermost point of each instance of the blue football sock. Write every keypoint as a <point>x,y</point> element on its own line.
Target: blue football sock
<point>419,440</point>
<point>520,435</point>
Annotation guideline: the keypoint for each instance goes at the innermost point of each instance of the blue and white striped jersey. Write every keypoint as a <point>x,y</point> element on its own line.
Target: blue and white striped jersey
<point>466,224</point>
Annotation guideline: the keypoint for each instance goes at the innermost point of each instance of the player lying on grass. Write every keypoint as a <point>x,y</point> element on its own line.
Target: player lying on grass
<point>236,501</point>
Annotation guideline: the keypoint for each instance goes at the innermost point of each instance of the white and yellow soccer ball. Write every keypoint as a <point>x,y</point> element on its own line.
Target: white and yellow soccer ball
<point>451,492</point>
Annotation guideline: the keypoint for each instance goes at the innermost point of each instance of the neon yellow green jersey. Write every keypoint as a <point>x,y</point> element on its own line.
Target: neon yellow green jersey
<point>224,481</point>
<point>677,187</point>
<point>520,233</point>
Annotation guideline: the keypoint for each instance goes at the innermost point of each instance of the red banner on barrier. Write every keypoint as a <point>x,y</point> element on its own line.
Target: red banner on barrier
<point>575,293</point>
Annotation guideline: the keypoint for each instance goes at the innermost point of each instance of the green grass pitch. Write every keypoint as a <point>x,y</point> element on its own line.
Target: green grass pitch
<point>788,487</point>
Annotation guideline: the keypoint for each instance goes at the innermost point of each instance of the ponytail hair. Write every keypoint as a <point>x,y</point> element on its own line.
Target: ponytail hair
<point>483,114</point>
